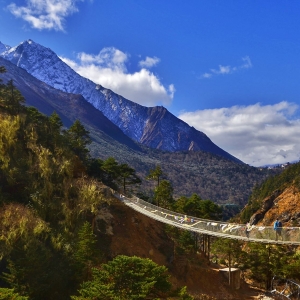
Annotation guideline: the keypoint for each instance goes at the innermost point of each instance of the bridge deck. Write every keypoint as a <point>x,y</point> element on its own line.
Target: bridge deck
<point>261,234</point>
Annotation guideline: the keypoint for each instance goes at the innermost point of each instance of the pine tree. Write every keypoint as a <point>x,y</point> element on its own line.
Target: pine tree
<point>79,138</point>
<point>11,99</point>
<point>163,194</point>
<point>126,278</point>
<point>85,254</point>
<point>128,176</point>
<point>111,167</point>
<point>155,174</point>
<point>10,294</point>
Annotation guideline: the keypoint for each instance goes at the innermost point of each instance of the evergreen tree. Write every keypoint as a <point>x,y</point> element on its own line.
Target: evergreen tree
<point>55,123</point>
<point>10,294</point>
<point>190,206</point>
<point>85,254</point>
<point>163,194</point>
<point>111,167</point>
<point>292,267</point>
<point>128,176</point>
<point>2,69</point>
<point>196,207</point>
<point>95,169</point>
<point>56,126</point>
<point>266,261</point>
<point>126,278</point>
<point>155,174</point>
<point>11,99</point>
<point>79,138</point>
<point>210,210</point>
<point>183,294</point>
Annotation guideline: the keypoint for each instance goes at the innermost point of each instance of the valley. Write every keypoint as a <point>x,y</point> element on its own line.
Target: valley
<point>72,218</point>
<point>224,180</point>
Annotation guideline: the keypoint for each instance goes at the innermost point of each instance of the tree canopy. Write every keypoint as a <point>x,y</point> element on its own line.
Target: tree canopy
<point>126,278</point>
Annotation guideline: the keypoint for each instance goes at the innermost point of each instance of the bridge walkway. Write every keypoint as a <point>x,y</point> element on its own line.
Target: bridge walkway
<point>260,234</point>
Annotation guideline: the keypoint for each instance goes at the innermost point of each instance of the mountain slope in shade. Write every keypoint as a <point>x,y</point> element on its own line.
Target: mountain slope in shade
<point>70,107</point>
<point>154,127</point>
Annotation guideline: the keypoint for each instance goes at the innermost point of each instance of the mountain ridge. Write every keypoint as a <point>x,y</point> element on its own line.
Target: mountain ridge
<point>154,127</point>
<point>47,100</point>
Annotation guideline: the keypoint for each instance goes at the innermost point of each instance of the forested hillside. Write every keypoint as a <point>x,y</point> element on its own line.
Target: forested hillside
<point>55,242</point>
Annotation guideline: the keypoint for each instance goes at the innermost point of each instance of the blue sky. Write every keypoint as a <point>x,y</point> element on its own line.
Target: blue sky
<point>229,68</point>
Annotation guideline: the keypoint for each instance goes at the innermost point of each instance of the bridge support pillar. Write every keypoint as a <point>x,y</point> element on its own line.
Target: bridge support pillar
<point>206,246</point>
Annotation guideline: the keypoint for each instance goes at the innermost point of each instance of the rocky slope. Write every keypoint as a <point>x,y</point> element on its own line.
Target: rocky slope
<point>277,197</point>
<point>284,205</point>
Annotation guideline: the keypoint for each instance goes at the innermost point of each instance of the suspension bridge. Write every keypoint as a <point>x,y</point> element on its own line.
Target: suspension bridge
<point>261,234</point>
<point>281,288</point>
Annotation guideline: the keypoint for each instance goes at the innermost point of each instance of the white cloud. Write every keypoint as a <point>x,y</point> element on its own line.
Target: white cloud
<point>207,75</point>
<point>222,70</point>
<point>110,58</point>
<point>108,68</point>
<point>247,63</point>
<point>149,62</point>
<point>45,14</point>
<point>256,134</point>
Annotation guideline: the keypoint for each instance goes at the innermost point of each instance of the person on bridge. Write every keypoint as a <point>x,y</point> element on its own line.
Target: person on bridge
<point>278,229</point>
<point>248,228</point>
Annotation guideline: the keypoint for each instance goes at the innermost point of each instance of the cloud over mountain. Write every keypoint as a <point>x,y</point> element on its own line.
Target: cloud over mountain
<point>108,68</point>
<point>257,134</point>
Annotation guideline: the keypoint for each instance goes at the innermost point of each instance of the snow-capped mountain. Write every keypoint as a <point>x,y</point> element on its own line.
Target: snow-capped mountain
<point>154,127</point>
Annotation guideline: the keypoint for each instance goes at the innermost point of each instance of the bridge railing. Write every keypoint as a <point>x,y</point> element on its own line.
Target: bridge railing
<point>286,235</point>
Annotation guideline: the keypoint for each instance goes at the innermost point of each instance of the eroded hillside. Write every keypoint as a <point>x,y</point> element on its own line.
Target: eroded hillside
<point>283,205</point>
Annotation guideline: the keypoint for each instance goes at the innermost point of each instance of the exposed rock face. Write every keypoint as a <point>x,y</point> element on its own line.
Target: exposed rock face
<point>266,206</point>
<point>284,205</point>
